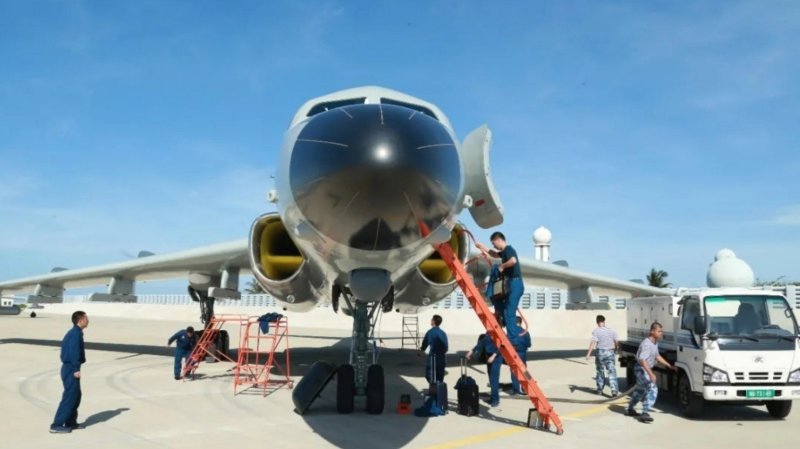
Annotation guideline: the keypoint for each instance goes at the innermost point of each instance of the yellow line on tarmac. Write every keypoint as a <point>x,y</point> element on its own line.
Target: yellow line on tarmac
<point>594,410</point>
<point>475,439</point>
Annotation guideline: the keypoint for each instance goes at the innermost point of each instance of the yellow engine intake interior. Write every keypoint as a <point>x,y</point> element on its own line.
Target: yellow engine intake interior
<point>434,268</point>
<point>279,256</point>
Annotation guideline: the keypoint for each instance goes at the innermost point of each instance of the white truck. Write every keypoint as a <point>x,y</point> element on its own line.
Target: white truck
<point>731,345</point>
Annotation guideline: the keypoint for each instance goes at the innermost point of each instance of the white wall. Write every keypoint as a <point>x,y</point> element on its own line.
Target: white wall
<point>543,323</point>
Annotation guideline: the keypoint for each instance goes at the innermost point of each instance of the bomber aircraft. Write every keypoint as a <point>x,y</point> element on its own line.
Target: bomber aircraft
<point>361,173</point>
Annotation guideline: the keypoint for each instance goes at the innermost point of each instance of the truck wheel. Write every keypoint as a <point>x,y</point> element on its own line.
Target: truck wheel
<point>630,376</point>
<point>779,409</point>
<point>691,404</point>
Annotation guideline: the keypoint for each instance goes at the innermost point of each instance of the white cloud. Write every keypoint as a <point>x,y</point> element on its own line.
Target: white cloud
<point>789,216</point>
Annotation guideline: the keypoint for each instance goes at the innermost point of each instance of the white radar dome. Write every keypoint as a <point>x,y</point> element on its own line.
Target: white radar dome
<point>729,271</point>
<point>542,236</point>
<point>724,253</point>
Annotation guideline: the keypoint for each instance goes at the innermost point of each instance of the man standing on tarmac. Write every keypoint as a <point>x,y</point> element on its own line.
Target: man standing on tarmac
<point>436,339</point>
<point>607,343</point>
<point>646,388</point>
<point>185,341</point>
<point>72,357</point>
<point>510,268</point>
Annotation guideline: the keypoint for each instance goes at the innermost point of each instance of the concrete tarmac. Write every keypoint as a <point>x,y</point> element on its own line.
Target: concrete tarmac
<point>130,399</point>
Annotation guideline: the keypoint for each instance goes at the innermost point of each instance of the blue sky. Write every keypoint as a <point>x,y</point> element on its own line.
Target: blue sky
<point>643,134</point>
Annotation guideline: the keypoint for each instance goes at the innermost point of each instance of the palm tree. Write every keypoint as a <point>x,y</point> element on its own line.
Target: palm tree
<point>657,278</point>
<point>253,287</point>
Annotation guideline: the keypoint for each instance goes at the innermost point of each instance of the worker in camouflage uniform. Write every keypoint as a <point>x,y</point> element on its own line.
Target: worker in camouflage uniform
<point>646,389</point>
<point>607,343</point>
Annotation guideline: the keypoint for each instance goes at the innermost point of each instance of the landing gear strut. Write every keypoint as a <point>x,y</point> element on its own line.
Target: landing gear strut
<point>221,338</point>
<point>206,305</point>
<point>362,376</point>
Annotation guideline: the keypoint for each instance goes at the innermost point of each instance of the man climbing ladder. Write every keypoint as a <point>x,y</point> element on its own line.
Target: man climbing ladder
<point>495,332</point>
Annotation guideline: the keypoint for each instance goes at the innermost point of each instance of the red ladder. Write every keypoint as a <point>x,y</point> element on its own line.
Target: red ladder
<point>256,360</point>
<point>493,329</point>
<point>203,347</point>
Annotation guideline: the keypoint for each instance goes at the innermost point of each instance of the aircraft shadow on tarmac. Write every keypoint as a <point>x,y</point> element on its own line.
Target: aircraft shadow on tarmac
<point>102,417</point>
<point>390,429</point>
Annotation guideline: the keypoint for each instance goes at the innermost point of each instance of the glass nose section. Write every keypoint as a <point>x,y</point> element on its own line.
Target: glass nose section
<point>366,175</point>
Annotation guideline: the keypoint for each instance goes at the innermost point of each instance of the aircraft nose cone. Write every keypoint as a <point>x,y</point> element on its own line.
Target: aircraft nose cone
<point>366,175</point>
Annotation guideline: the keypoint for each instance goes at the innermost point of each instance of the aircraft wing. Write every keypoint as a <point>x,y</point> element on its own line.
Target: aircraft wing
<point>582,286</point>
<point>212,260</point>
<point>548,274</point>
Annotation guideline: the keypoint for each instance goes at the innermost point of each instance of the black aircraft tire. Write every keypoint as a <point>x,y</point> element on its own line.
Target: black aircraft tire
<point>311,385</point>
<point>345,389</point>
<point>223,343</point>
<point>376,391</point>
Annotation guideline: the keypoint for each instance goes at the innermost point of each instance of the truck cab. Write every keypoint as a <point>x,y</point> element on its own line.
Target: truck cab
<point>736,346</point>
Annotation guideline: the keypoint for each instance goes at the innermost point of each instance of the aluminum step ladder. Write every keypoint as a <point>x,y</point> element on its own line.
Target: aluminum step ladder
<point>410,335</point>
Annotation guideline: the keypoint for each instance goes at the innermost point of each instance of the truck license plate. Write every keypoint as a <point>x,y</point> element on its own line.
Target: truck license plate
<point>760,393</point>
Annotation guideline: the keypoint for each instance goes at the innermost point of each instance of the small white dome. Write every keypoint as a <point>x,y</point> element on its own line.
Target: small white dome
<point>724,253</point>
<point>542,236</point>
<point>729,271</point>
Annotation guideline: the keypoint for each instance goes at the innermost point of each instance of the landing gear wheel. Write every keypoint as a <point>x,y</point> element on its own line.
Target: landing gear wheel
<point>311,385</point>
<point>345,389</point>
<point>206,304</point>
<point>376,392</point>
<point>691,404</point>
<point>223,343</point>
<point>779,409</point>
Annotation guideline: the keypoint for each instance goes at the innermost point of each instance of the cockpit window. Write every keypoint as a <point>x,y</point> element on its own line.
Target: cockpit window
<point>328,105</point>
<point>411,106</point>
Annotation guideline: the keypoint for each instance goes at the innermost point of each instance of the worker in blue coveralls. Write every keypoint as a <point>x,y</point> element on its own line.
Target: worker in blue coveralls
<point>510,268</point>
<point>521,343</point>
<point>72,357</point>
<point>646,389</point>
<point>184,343</point>
<point>494,361</point>
<point>436,339</point>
